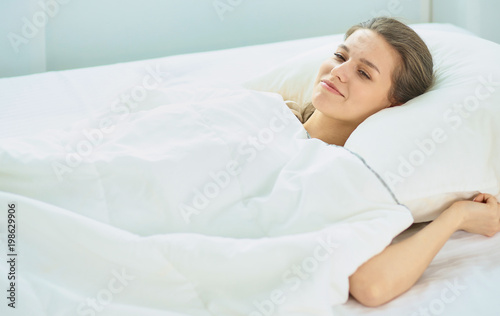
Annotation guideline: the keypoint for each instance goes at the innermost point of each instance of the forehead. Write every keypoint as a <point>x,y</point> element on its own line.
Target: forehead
<point>369,45</point>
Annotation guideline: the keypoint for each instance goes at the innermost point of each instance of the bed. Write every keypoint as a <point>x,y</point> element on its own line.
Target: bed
<point>69,252</point>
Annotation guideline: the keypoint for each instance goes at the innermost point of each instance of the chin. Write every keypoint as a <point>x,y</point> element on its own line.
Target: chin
<point>320,100</point>
<point>317,96</point>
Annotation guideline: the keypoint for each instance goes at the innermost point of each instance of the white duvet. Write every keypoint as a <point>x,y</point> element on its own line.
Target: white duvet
<point>214,203</point>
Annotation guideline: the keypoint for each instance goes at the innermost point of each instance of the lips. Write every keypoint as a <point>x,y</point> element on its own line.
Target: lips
<point>331,87</point>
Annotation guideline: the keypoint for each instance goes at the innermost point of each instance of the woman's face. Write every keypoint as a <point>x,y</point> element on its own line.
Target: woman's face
<point>355,82</point>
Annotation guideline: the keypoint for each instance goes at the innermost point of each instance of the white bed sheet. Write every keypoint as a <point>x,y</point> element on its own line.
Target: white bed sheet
<point>463,279</point>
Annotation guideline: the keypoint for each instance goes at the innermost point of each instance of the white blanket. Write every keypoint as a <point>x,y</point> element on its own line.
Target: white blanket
<point>215,203</point>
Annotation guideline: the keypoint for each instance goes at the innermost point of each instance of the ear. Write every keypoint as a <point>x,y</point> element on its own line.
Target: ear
<point>394,103</point>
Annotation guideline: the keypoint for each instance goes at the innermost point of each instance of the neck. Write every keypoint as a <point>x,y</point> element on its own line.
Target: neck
<point>329,130</point>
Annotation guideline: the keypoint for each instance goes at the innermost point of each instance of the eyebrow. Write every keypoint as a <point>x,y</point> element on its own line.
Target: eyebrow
<point>363,60</point>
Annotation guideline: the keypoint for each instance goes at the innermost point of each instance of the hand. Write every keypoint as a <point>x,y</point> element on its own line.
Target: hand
<point>479,216</point>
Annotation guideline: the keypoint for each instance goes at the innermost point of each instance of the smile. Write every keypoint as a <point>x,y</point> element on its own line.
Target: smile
<point>330,87</point>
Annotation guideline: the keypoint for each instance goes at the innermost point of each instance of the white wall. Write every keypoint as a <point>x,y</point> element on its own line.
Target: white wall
<point>481,17</point>
<point>81,33</point>
<point>20,54</point>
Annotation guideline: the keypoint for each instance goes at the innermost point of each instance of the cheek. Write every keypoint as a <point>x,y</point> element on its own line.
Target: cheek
<point>324,69</point>
<point>383,96</point>
<point>361,93</point>
<point>374,95</point>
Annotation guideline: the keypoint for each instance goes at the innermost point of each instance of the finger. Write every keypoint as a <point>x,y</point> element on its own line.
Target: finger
<point>484,197</point>
<point>479,198</point>
<point>491,200</point>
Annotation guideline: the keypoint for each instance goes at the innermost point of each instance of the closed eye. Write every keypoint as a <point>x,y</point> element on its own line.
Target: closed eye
<point>364,74</point>
<point>339,56</point>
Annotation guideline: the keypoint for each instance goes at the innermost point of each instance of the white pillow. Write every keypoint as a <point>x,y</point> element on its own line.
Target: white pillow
<point>294,78</point>
<point>440,147</point>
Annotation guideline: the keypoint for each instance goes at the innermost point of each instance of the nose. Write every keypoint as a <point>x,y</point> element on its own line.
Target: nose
<point>341,71</point>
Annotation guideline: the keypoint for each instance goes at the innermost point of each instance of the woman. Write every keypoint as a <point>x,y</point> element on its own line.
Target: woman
<point>384,63</point>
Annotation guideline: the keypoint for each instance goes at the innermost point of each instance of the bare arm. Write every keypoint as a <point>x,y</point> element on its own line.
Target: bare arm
<point>399,266</point>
